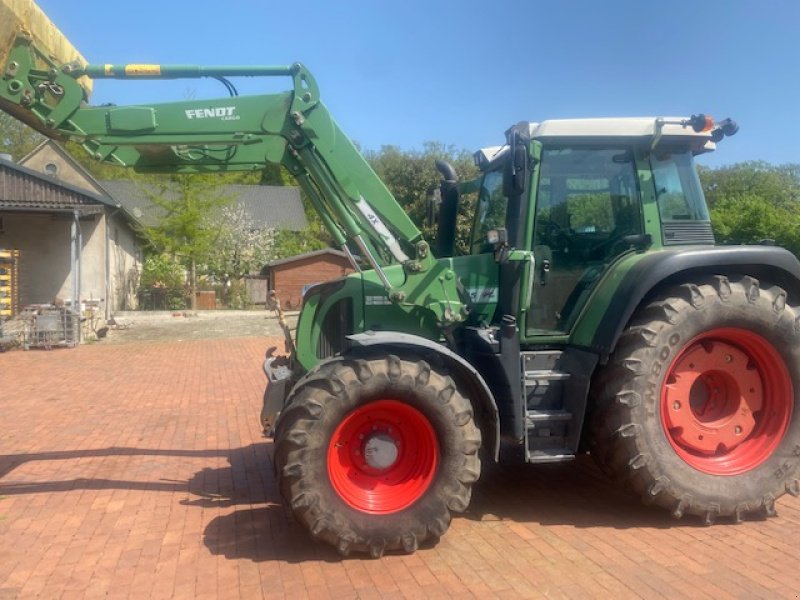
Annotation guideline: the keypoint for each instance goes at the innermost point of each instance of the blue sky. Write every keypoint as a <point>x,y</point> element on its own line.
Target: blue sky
<point>411,71</point>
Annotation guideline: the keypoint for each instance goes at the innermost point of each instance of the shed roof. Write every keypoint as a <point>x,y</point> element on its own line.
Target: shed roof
<point>25,189</point>
<point>270,207</point>
<point>285,261</point>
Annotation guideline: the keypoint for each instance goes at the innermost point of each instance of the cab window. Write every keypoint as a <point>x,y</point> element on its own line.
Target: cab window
<point>490,212</point>
<point>678,189</point>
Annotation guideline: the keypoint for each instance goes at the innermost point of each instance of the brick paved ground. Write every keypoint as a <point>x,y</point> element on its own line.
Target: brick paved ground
<point>139,471</point>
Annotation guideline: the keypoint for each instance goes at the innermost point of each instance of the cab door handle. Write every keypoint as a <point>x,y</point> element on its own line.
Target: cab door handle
<point>545,272</point>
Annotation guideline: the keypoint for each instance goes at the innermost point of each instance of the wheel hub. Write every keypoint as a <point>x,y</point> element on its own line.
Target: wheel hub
<point>383,457</point>
<point>380,451</point>
<point>712,394</point>
<point>726,401</point>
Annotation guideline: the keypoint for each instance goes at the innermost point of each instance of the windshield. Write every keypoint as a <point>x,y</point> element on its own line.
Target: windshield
<point>490,211</point>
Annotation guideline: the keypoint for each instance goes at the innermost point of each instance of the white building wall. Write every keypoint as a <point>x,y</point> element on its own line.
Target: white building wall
<point>44,243</point>
<point>93,263</point>
<point>125,263</point>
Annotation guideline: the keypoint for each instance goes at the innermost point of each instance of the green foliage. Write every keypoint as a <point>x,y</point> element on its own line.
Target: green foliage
<point>780,184</point>
<point>163,280</point>
<point>16,138</point>
<point>189,228</point>
<point>409,174</point>
<point>591,211</point>
<point>753,201</point>
<point>750,219</point>
<point>291,243</point>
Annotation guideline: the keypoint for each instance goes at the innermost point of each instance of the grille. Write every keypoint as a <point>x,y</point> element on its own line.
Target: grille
<point>336,326</point>
<point>693,232</point>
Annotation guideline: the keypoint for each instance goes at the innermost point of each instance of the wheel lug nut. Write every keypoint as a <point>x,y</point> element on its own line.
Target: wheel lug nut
<point>728,358</point>
<point>676,405</point>
<point>737,430</point>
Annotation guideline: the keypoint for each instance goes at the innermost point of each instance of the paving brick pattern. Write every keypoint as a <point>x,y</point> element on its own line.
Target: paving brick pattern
<point>139,471</point>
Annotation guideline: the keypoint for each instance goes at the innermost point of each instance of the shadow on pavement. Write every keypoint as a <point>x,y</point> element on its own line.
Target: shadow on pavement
<point>574,493</point>
<point>260,528</point>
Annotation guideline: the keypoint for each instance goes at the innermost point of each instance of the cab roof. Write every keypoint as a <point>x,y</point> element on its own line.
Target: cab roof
<point>675,128</point>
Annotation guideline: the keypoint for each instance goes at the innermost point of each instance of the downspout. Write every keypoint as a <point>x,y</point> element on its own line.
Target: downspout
<point>78,237</point>
<point>73,235</point>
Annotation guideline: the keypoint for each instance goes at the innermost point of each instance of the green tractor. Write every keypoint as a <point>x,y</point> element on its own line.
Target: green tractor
<point>600,318</point>
<point>594,312</point>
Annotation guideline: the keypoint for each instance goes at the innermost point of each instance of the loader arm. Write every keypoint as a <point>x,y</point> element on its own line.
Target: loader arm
<point>234,134</point>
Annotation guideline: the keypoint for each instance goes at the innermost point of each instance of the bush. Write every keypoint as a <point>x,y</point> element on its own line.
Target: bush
<point>163,283</point>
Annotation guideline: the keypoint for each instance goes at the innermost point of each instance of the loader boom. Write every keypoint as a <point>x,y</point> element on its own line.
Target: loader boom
<point>237,133</point>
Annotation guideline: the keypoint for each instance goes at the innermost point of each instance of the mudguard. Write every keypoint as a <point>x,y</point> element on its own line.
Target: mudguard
<point>774,264</point>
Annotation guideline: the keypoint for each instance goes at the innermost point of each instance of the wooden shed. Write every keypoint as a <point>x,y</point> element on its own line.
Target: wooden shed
<point>290,277</point>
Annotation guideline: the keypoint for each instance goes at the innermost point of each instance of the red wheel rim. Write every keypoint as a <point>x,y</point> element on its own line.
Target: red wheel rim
<point>382,457</point>
<point>726,401</point>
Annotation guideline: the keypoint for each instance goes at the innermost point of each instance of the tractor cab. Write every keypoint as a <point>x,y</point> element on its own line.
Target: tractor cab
<point>593,191</point>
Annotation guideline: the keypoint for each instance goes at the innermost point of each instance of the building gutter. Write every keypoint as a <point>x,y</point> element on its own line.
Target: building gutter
<point>76,239</point>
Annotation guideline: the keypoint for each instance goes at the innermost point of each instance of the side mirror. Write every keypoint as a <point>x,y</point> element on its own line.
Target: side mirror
<point>638,241</point>
<point>516,168</point>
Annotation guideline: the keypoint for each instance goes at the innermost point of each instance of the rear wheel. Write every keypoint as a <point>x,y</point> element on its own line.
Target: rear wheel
<point>373,454</point>
<point>697,410</point>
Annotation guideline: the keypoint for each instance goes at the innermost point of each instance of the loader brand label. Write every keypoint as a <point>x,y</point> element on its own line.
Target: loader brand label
<point>223,113</point>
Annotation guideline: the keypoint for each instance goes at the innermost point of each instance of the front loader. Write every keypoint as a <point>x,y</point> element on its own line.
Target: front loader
<point>594,312</point>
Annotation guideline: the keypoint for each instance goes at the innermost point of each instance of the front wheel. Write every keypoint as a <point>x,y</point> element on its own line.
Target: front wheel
<point>698,409</point>
<point>373,454</point>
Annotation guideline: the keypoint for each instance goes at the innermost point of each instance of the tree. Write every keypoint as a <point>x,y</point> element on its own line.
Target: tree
<point>409,174</point>
<point>291,243</point>
<point>189,229</point>
<point>750,219</point>
<point>241,248</point>
<point>753,201</point>
<point>779,184</point>
<point>162,280</point>
<point>16,138</point>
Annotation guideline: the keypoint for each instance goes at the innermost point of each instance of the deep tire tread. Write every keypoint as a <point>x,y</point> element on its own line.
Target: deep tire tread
<point>616,435</point>
<point>312,501</point>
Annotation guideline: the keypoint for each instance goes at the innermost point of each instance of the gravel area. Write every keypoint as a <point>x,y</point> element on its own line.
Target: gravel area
<point>194,325</point>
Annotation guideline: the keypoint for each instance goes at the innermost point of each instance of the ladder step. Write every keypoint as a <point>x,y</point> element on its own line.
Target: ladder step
<point>549,455</point>
<point>547,416</point>
<point>546,375</point>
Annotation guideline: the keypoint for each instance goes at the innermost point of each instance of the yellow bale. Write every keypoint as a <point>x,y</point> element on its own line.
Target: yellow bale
<point>25,17</point>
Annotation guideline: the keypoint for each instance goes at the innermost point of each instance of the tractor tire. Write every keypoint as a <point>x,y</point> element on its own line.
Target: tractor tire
<point>697,410</point>
<point>372,454</point>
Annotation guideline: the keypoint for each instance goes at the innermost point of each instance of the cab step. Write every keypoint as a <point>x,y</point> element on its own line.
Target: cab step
<point>555,385</point>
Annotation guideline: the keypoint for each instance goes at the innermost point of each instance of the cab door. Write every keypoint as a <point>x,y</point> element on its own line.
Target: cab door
<point>587,205</point>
